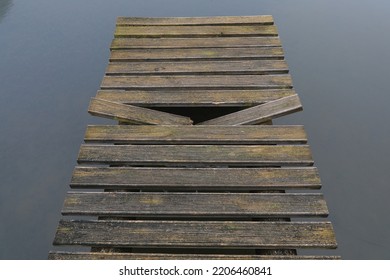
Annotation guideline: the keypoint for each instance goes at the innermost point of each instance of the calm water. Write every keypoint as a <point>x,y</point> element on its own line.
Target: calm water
<point>52,58</point>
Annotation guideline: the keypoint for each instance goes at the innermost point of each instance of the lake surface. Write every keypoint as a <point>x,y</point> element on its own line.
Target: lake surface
<point>53,56</point>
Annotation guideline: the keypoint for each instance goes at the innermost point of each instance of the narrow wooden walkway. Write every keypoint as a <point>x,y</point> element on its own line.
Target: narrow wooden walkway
<point>195,169</point>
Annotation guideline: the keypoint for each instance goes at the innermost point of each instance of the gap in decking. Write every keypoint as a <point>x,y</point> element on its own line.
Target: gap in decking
<point>199,114</point>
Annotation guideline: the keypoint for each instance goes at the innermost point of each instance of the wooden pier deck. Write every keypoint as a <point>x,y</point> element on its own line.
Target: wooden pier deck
<point>195,169</point>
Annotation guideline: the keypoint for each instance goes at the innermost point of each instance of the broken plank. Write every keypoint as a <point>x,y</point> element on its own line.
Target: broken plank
<point>200,82</point>
<point>236,67</point>
<point>171,43</point>
<point>180,135</point>
<point>196,234</point>
<point>133,114</point>
<point>230,205</point>
<point>194,97</point>
<point>197,54</point>
<point>238,179</point>
<point>200,31</point>
<point>261,113</point>
<point>197,155</point>
<point>197,21</point>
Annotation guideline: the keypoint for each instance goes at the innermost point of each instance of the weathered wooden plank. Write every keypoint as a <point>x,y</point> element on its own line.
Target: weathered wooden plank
<point>197,54</point>
<point>55,255</point>
<point>216,42</point>
<point>238,179</point>
<point>194,98</point>
<point>181,135</point>
<point>259,113</point>
<point>195,81</point>
<point>133,114</point>
<point>219,61</point>
<point>199,31</point>
<point>196,234</point>
<point>236,67</point>
<point>230,205</point>
<point>197,155</point>
<point>198,21</point>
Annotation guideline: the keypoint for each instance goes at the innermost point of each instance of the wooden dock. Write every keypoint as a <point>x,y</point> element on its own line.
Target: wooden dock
<point>195,169</point>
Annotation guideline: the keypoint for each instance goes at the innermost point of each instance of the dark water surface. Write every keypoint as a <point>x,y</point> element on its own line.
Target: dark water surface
<point>53,56</point>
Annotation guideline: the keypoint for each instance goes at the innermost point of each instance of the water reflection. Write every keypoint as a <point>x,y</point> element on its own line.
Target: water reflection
<point>5,6</point>
<point>340,75</point>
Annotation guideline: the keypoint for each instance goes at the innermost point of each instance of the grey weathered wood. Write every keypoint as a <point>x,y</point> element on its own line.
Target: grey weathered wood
<point>238,179</point>
<point>197,155</point>
<point>197,21</point>
<point>260,113</point>
<point>199,31</point>
<point>196,234</point>
<point>160,256</point>
<point>133,114</point>
<point>195,62</point>
<point>236,67</point>
<point>196,81</point>
<point>195,204</point>
<point>194,98</point>
<point>181,135</point>
<point>216,42</point>
<point>197,54</point>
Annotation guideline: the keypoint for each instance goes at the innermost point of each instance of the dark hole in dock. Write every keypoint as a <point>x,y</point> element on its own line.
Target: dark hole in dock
<point>199,114</point>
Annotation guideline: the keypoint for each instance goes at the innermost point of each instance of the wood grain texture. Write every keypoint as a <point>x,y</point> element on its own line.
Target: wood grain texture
<point>196,234</point>
<point>200,82</point>
<point>239,179</point>
<point>55,255</point>
<point>230,205</point>
<point>194,98</point>
<point>211,191</point>
<point>198,21</point>
<point>238,67</point>
<point>215,42</point>
<point>200,135</point>
<point>197,155</point>
<point>197,54</point>
<point>260,113</point>
<point>199,31</point>
<point>132,114</point>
